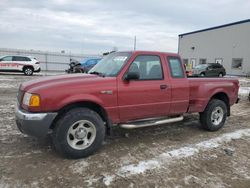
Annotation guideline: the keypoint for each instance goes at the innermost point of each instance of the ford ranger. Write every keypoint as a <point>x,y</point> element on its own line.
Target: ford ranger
<point>127,89</point>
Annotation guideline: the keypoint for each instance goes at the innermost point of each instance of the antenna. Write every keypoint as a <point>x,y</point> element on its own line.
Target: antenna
<point>135,43</point>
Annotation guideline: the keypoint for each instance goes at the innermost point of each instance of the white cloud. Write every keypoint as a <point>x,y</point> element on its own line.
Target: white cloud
<point>95,26</point>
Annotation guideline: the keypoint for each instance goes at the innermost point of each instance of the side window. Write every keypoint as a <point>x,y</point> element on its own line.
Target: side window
<point>87,63</point>
<point>7,58</point>
<point>19,58</point>
<point>148,66</point>
<point>91,62</point>
<point>216,66</point>
<point>175,66</point>
<point>16,58</point>
<point>219,66</point>
<point>27,59</point>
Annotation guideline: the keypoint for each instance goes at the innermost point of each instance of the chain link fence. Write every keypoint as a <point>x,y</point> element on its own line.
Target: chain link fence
<point>49,61</point>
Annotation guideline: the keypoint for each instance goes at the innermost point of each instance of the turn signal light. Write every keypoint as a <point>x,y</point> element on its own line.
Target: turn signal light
<point>31,100</point>
<point>34,100</point>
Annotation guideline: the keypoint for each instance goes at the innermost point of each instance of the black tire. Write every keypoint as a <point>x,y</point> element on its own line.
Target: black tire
<point>202,74</point>
<point>78,70</point>
<point>28,71</point>
<point>61,135</point>
<point>220,74</point>
<point>207,119</point>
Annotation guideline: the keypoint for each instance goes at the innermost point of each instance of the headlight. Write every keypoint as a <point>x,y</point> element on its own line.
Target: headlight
<point>31,100</point>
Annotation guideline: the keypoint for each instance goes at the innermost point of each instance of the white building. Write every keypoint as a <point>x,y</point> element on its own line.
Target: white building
<point>227,44</point>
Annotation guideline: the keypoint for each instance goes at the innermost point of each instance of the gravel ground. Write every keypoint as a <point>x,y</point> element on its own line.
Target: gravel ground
<point>174,155</point>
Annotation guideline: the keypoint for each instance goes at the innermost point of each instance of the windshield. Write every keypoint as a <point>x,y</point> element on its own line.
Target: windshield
<point>111,64</point>
<point>202,66</point>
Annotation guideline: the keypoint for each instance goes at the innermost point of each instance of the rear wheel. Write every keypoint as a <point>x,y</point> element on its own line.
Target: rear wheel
<point>214,116</point>
<point>79,133</point>
<point>202,74</point>
<point>28,71</point>
<point>221,75</point>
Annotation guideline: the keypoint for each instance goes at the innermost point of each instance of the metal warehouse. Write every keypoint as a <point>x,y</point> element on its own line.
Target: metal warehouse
<point>227,44</point>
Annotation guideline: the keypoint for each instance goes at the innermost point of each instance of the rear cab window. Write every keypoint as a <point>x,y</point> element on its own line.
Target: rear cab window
<point>176,68</point>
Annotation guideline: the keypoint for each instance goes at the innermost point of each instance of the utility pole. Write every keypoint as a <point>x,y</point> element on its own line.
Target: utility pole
<point>135,43</point>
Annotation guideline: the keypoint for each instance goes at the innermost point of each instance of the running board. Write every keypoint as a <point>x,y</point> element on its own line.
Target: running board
<point>150,122</point>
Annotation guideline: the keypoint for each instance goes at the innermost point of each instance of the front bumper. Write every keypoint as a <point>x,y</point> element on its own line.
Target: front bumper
<point>34,124</point>
<point>38,70</point>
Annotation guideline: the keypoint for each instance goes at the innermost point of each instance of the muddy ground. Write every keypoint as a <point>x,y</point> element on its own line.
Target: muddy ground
<point>175,155</point>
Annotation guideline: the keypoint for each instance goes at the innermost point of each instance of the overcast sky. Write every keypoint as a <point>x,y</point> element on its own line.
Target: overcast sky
<point>96,26</point>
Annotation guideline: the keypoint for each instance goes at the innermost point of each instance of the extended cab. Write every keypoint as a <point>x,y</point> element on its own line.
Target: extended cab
<point>127,89</point>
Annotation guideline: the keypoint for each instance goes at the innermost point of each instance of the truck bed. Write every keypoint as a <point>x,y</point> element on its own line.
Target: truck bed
<point>202,89</point>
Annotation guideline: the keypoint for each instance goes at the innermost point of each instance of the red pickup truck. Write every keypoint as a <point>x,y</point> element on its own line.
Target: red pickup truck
<point>128,89</point>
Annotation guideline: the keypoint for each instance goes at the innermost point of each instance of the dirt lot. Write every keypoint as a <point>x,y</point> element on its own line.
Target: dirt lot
<point>175,155</point>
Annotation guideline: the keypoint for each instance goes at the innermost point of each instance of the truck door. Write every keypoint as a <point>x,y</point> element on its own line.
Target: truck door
<point>179,86</point>
<point>148,96</point>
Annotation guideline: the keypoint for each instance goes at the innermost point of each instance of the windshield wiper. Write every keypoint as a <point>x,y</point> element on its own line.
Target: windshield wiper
<point>97,73</point>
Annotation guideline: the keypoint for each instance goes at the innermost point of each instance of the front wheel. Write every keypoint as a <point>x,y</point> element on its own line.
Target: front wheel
<point>28,71</point>
<point>79,133</point>
<point>214,116</point>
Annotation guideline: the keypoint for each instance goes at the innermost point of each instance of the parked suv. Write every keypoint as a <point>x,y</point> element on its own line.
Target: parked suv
<point>25,64</point>
<point>209,70</point>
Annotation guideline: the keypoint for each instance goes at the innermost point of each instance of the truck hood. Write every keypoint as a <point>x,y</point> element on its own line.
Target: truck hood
<point>67,81</point>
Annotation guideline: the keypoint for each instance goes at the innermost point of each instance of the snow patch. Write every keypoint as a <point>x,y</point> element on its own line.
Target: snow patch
<point>91,180</point>
<point>139,168</point>
<point>21,155</point>
<point>244,91</point>
<point>6,79</point>
<point>108,179</point>
<point>4,86</point>
<point>181,153</point>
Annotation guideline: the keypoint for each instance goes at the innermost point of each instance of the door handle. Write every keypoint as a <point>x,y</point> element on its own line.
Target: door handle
<point>163,86</point>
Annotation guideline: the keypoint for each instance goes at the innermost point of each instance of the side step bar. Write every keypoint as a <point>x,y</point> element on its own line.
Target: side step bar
<point>150,122</point>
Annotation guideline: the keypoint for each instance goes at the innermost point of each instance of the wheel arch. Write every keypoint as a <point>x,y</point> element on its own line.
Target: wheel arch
<point>223,74</point>
<point>223,97</point>
<point>86,104</point>
<point>30,66</point>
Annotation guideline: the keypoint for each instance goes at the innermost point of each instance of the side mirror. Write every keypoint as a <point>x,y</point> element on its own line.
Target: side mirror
<point>132,76</point>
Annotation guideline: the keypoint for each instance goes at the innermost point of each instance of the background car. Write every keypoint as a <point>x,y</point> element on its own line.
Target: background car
<point>209,70</point>
<point>88,63</point>
<point>83,66</point>
<point>25,64</point>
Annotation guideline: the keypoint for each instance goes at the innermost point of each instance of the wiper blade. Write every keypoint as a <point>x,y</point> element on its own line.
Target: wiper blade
<point>97,73</point>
